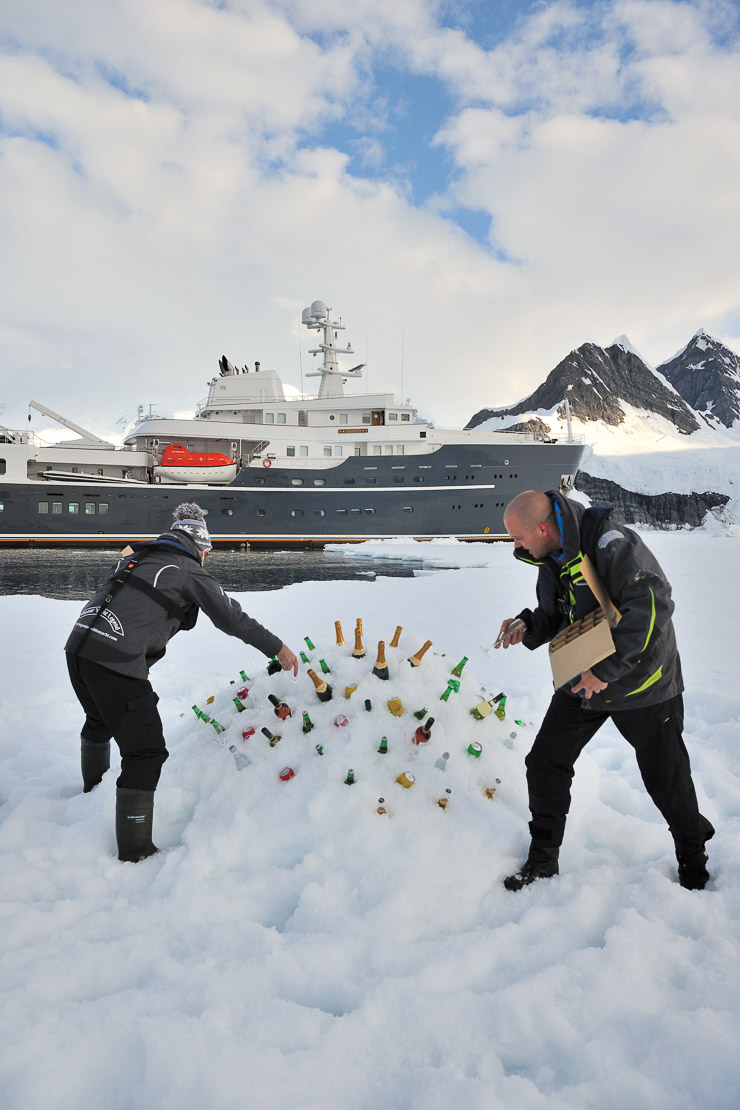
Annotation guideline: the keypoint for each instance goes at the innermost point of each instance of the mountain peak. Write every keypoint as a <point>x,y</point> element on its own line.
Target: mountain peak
<point>707,376</point>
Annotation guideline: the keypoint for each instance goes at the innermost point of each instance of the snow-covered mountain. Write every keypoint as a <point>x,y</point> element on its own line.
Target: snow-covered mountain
<point>649,451</point>
<point>707,375</point>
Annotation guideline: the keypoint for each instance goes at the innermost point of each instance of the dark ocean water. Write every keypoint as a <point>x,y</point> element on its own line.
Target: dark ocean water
<point>73,574</point>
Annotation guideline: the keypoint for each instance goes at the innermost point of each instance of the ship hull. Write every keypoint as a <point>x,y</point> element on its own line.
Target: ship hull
<point>459,490</point>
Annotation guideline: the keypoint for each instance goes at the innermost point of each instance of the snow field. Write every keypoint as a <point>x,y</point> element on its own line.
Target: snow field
<point>291,947</point>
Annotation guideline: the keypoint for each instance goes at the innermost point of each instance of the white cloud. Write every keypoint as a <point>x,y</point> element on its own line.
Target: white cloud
<point>167,197</point>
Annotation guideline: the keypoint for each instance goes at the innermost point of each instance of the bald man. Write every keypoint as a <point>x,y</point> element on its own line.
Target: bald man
<point>639,687</point>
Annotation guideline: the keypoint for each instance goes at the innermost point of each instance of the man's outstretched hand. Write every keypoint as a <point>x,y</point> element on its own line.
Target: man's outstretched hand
<point>287,660</point>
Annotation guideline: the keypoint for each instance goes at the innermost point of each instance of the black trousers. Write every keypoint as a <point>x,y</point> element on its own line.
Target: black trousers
<point>656,734</point>
<point>125,709</point>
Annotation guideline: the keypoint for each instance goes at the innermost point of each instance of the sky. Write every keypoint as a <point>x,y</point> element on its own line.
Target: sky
<point>476,188</point>
<point>291,947</point>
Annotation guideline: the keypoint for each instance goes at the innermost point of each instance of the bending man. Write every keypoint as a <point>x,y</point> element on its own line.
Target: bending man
<point>121,632</point>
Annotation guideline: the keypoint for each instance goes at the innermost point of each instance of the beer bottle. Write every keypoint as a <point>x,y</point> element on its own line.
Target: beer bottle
<point>245,677</point>
<point>304,657</point>
<point>308,643</point>
<point>421,713</point>
<point>442,761</point>
<point>381,808</point>
<point>442,802</point>
<point>240,758</point>
<point>380,670</point>
<point>307,722</point>
<point>214,724</point>
<point>501,707</point>
<point>416,659</point>
<point>319,750</point>
<point>368,705</point>
<point>396,635</point>
<point>444,696</point>
<point>323,689</point>
<point>239,706</point>
<point>196,710</point>
<point>271,736</point>
<point>423,732</point>
<point>458,670</point>
<point>273,666</point>
<point>358,651</point>
<point>340,637</point>
<point>280,709</point>
<point>324,666</point>
<point>350,777</point>
<point>383,749</point>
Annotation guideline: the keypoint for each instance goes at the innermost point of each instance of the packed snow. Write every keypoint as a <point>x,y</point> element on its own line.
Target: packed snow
<point>292,947</point>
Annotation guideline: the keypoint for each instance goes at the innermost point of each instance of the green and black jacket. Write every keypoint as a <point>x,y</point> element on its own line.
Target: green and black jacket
<point>645,668</point>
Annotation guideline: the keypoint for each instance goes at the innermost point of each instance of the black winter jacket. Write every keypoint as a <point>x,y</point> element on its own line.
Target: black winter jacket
<point>645,667</point>
<point>130,633</point>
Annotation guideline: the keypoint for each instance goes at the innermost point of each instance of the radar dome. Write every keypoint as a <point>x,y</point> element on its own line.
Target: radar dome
<point>318,310</point>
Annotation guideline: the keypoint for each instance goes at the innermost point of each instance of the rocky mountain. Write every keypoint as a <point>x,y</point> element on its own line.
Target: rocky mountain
<point>595,380</point>
<point>707,375</point>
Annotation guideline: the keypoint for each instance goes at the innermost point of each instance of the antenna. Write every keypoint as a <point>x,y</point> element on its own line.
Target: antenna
<point>402,326</point>
<point>300,349</point>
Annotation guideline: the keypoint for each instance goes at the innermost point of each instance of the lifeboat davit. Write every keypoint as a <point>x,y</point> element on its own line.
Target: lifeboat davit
<point>202,467</point>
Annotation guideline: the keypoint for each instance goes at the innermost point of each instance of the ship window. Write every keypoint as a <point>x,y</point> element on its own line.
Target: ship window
<point>399,449</point>
<point>349,481</point>
<point>327,452</point>
<point>357,452</point>
<point>387,448</point>
<point>290,452</point>
<point>269,418</point>
<point>418,478</point>
<point>319,481</point>
<point>227,512</point>
<point>405,416</point>
<point>73,507</point>
<point>56,507</point>
<point>296,481</point>
<point>398,478</point>
<point>377,449</point>
<point>75,470</point>
<point>2,506</point>
<point>338,451</point>
<point>100,471</point>
<point>424,466</point>
<point>90,508</point>
<point>191,447</point>
<point>103,508</point>
<point>303,451</point>
<point>393,416</point>
<point>342,512</point>
<point>258,512</point>
<point>296,512</point>
<point>355,510</point>
<point>370,481</point>
<point>319,512</point>
<point>370,512</point>
<point>366,418</point>
<point>369,468</point>
<point>259,481</point>
<point>343,418</point>
<point>43,506</point>
<point>408,508</point>
<point>3,466</point>
<point>281,418</point>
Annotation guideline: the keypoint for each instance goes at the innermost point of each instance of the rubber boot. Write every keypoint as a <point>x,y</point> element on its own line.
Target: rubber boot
<point>134,816</point>
<point>541,863</point>
<point>95,761</point>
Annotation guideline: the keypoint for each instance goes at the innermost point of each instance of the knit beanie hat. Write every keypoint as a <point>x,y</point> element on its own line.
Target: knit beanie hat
<point>189,518</point>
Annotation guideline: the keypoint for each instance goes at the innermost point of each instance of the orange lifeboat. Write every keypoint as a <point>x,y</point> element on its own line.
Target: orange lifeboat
<point>201,467</point>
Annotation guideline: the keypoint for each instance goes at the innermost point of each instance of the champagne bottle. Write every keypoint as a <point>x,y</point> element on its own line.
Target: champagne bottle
<point>458,670</point>
<point>280,709</point>
<point>416,659</point>
<point>423,732</point>
<point>271,736</point>
<point>380,670</point>
<point>323,689</point>
<point>307,722</point>
<point>358,624</point>
<point>358,651</point>
<point>338,629</point>
<point>396,635</point>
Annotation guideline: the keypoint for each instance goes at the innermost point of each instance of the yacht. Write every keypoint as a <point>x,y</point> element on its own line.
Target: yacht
<point>273,466</point>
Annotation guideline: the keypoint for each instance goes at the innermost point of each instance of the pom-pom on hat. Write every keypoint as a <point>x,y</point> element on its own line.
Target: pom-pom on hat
<point>189,518</point>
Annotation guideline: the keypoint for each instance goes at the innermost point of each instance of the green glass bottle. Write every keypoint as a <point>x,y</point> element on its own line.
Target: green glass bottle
<point>324,666</point>
<point>307,722</point>
<point>319,749</point>
<point>383,749</point>
<point>245,677</point>
<point>446,694</point>
<point>421,713</point>
<point>350,777</point>
<point>304,658</point>
<point>239,706</point>
<point>217,726</point>
<point>308,643</point>
<point>458,670</point>
<point>501,708</point>
<point>274,666</point>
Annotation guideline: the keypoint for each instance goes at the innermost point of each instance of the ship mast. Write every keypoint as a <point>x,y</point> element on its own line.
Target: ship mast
<point>318,318</point>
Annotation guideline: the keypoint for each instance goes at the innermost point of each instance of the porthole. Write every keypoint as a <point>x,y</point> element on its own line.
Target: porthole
<point>296,481</point>
<point>258,512</point>
<point>319,481</point>
<point>227,512</point>
<point>296,512</point>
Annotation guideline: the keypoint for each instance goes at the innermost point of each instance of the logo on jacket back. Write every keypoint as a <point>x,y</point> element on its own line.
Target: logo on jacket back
<point>106,615</point>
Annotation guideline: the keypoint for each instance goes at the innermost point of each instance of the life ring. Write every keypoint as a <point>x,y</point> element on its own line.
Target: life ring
<point>267,463</point>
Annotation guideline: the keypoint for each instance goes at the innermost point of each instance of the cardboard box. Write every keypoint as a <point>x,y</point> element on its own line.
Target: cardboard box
<point>580,646</point>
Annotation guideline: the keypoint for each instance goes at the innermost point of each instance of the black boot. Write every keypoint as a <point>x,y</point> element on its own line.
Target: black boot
<point>95,761</point>
<point>692,870</point>
<point>134,816</point>
<point>542,861</point>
